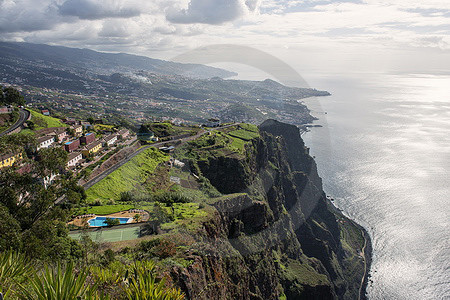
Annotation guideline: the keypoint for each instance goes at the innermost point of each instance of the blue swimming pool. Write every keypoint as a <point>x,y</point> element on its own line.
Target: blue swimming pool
<point>100,221</point>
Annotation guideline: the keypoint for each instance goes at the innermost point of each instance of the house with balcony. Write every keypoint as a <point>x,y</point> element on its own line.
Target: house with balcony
<point>72,146</point>
<point>87,139</point>
<point>124,133</point>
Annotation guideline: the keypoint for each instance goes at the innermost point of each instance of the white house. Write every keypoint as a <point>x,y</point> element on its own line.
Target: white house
<point>45,142</point>
<point>110,140</point>
<point>74,159</point>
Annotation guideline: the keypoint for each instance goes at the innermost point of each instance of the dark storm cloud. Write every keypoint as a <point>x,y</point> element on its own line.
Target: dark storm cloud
<point>98,9</point>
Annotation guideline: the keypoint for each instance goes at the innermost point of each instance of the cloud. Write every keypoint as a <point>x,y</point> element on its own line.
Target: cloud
<point>163,28</point>
<point>99,9</point>
<point>213,11</point>
<point>27,15</point>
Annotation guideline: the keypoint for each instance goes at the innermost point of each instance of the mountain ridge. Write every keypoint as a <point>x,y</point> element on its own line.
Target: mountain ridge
<point>90,60</point>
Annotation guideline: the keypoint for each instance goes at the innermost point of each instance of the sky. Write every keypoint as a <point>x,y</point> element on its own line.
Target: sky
<point>311,35</point>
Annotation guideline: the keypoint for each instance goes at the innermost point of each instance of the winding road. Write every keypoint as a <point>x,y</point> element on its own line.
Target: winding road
<point>23,116</point>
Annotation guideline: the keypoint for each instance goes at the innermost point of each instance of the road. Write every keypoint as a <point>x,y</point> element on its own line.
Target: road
<point>118,165</point>
<point>23,116</point>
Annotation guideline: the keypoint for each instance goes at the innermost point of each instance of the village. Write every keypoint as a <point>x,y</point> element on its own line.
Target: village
<point>84,143</point>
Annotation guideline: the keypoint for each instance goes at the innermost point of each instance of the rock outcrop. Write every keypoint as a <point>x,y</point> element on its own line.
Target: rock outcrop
<point>273,234</point>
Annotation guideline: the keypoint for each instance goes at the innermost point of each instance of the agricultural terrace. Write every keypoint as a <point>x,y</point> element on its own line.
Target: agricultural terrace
<point>131,176</point>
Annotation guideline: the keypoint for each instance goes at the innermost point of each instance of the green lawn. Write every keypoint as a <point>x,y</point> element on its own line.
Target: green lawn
<point>129,177</point>
<point>244,134</point>
<point>103,127</point>
<point>40,121</point>
<point>249,127</point>
<point>106,209</point>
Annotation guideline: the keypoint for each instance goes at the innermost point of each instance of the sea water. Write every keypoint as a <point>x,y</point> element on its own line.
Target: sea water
<point>384,155</point>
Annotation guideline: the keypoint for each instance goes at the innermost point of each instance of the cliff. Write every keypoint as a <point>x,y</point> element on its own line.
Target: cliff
<point>272,234</point>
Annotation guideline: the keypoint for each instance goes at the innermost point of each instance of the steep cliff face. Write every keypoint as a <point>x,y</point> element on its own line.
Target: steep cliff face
<point>273,234</point>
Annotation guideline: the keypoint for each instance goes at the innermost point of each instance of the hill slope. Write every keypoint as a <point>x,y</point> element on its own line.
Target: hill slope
<point>99,62</point>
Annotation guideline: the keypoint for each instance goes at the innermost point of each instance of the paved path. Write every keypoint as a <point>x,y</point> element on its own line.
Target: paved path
<point>23,116</point>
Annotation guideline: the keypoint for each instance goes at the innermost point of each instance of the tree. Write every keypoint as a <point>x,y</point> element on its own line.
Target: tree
<point>51,161</point>
<point>12,96</point>
<point>137,218</point>
<point>112,221</point>
<point>30,124</point>
<point>29,213</point>
<point>2,95</point>
<point>10,232</point>
<point>16,142</point>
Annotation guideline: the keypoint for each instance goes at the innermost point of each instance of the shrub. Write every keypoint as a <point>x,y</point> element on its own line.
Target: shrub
<point>170,198</point>
<point>112,222</point>
<point>158,247</point>
<point>126,197</point>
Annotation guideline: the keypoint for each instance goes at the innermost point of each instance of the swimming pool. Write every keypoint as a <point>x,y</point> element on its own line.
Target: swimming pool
<point>100,221</point>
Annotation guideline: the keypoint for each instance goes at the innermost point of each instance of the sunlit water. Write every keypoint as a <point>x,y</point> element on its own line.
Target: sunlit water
<point>384,154</point>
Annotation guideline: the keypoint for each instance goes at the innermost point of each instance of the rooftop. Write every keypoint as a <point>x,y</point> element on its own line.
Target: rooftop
<point>93,145</point>
<point>44,139</point>
<point>73,155</point>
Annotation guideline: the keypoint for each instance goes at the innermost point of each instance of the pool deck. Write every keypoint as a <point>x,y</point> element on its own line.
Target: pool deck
<point>81,222</point>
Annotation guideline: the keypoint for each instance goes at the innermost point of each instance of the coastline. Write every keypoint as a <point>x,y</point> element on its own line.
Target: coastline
<point>366,251</point>
<point>367,261</point>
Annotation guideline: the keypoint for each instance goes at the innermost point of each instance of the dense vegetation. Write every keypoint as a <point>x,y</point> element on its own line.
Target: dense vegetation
<point>30,221</point>
<point>10,96</point>
<point>21,278</point>
<point>221,226</point>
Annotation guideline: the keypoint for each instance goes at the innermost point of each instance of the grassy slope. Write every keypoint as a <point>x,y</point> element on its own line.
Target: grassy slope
<point>107,209</point>
<point>42,121</point>
<point>128,177</point>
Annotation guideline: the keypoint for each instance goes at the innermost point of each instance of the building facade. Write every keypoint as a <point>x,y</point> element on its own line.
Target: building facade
<point>87,139</point>
<point>91,149</point>
<point>71,146</point>
<point>74,159</point>
<point>110,140</point>
<point>45,142</point>
<point>8,160</point>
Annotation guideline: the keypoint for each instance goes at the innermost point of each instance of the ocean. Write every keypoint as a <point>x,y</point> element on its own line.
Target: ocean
<point>384,155</point>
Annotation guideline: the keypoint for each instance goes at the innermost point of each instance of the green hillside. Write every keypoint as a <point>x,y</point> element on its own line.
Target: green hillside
<point>130,176</point>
